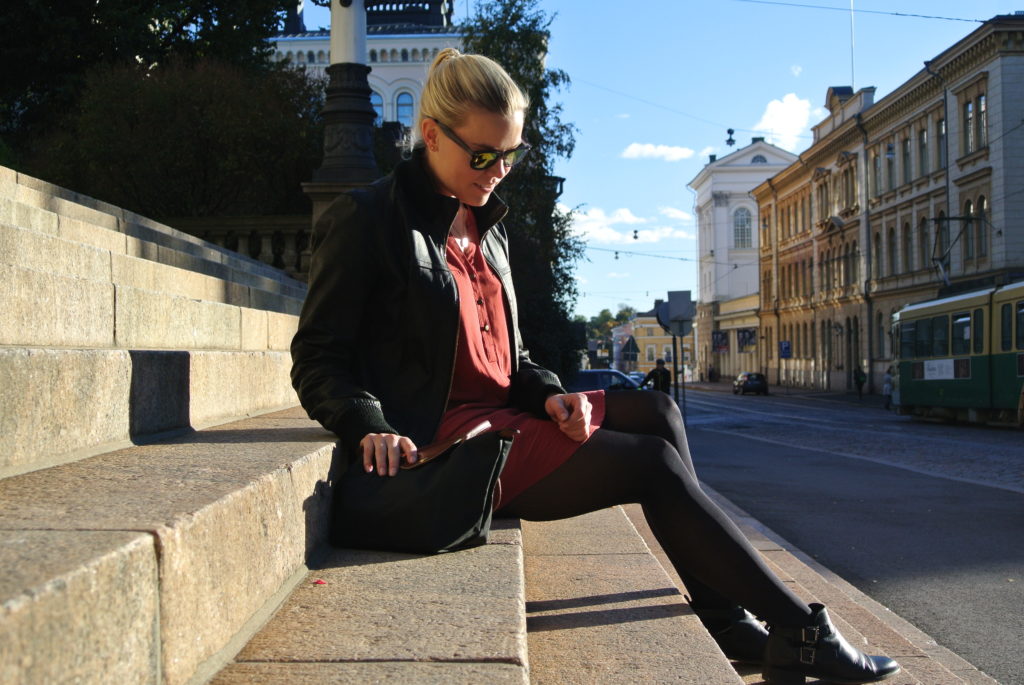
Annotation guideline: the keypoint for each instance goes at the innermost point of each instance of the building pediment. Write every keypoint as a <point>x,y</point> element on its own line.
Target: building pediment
<point>821,173</point>
<point>845,157</point>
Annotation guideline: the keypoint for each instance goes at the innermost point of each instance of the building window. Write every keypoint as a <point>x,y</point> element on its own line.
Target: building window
<point>982,227</point>
<point>922,243</point>
<point>878,256</point>
<point>982,121</point>
<point>373,56</point>
<point>666,353</point>
<point>880,335</point>
<point>377,102</point>
<point>907,170</point>
<point>922,151</point>
<point>968,127</point>
<point>890,165</point>
<point>759,159</point>
<point>942,143</point>
<point>968,231</point>
<point>908,254</point>
<point>876,174</point>
<point>741,228</point>
<point>403,108</point>
<point>891,248</point>
<point>405,55</point>
<point>650,353</point>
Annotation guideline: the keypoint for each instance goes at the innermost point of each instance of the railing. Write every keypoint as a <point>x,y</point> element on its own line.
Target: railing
<point>280,241</point>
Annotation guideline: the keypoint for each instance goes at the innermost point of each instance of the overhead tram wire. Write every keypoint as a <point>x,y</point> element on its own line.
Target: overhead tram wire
<point>734,265</point>
<point>861,11</point>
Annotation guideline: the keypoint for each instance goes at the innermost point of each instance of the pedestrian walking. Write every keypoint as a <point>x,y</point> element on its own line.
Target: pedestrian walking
<point>887,387</point>
<point>659,377</point>
<point>859,378</point>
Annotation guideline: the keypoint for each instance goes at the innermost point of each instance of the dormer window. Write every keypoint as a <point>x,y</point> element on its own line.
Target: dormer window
<point>759,159</point>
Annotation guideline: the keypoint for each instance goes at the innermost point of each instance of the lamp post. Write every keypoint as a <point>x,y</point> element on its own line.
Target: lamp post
<point>348,115</point>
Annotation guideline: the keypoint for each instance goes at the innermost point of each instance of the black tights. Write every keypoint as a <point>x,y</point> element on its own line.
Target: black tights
<point>640,455</point>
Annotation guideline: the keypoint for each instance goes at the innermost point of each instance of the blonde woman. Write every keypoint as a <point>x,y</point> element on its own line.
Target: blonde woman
<point>409,336</point>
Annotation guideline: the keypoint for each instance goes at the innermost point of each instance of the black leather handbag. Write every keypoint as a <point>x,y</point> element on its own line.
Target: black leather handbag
<point>440,504</point>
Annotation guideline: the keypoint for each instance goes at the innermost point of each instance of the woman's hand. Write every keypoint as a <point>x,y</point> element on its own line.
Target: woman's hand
<point>385,451</point>
<point>572,414</point>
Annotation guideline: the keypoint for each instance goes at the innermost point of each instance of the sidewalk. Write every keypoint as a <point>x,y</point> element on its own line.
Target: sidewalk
<point>850,397</point>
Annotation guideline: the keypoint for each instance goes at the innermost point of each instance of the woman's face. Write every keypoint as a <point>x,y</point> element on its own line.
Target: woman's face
<point>481,131</point>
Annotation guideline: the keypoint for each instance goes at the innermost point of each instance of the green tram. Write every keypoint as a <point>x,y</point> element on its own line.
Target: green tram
<point>962,357</point>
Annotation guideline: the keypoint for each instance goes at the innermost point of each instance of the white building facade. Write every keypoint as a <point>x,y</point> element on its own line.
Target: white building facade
<point>727,244</point>
<point>402,40</point>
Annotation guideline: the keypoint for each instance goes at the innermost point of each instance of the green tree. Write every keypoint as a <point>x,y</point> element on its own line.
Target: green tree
<point>49,48</point>
<point>516,33</point>
<point>192,137</point>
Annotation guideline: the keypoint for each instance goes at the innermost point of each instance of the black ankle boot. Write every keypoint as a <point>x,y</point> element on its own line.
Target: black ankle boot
<point>738,634</point>
<point>819,651</point>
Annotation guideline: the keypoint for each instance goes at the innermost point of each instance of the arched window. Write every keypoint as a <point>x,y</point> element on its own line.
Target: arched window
<point>415,54</point>
<point>403,109</point>
<point>759,159</point>
<point>378,106</point>
<point>968,233</point>
<point>321,57</point>
<point>405,55</point>
<point>741,228</point>
<point>394,55</point>
<point>373,55</point>
<point>384,56</point>
<point>310,57</point>
<point>982,227</point>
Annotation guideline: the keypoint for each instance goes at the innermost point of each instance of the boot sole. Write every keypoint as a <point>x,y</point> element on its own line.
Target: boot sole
<point>777,676</point>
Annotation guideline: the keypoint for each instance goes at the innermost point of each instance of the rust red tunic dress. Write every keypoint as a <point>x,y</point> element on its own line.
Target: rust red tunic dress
<point>483,366</point>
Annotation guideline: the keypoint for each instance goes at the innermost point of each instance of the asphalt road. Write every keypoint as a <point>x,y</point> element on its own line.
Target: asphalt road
<point>927,519</point>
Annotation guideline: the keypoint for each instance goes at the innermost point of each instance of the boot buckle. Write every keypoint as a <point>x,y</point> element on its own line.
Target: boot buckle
<point>810,635</point>
<point>807,655</point>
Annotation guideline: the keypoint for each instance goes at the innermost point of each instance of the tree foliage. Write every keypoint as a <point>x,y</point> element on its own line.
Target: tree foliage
<point>515,33</point>
<point>194,137</point>
<point>50,48</point>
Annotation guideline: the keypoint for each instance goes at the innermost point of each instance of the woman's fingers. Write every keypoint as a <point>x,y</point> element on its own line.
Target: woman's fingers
<point>383,452</point>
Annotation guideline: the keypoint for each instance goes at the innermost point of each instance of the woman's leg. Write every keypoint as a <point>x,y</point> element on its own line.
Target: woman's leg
<point>613,467</point>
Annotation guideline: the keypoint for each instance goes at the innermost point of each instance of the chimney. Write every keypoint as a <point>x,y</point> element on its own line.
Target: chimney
<point>712,158</point>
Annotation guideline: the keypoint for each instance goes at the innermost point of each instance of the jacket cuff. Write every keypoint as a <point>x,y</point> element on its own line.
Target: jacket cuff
<point>360,417</point>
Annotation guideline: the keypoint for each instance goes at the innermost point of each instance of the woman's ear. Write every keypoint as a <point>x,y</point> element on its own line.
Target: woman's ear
<point>429,133</point>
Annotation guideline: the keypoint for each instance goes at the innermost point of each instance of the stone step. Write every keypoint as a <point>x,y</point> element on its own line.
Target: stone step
<point>74,403</point>
<point>600,609</point>
<point>143,564</point>
<point>41,207</point>
<point>378,617</point>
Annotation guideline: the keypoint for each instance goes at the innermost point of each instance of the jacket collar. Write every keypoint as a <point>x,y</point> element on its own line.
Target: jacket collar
<point>437,211</point>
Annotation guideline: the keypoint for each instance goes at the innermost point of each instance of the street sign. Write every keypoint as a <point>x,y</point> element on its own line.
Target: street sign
<point>677,314</point>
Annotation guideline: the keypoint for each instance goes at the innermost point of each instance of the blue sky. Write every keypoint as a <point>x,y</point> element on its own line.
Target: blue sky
<point>657,83</point>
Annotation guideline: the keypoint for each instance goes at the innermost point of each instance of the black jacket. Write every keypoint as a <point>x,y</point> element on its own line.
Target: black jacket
<point>375,347</point>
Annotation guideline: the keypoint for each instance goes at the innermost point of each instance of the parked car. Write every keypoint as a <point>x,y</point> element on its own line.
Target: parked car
<point>600,379</point>
<point>750,382</point>
<point>638,376</point>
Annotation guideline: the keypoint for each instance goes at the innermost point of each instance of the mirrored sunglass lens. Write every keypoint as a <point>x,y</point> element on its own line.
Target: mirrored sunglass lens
<point>513,156</point>
<point>482,160</point>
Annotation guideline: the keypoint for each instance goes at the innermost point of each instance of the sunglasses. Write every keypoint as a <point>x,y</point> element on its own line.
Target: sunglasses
<point>485,159</point>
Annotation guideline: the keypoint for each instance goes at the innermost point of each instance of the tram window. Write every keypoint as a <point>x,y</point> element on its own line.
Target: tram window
<point>923,346</point>
<point>1006,327</point>
<point>907,329</point>
<point>962,333</point>
<point>1020,325</point>
<point>979,331</point>
<point>940,336</point>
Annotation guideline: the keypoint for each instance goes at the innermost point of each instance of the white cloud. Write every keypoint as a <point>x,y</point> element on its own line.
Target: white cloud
<point>617,228</point>
<point>678,214</point>
<point>796,69</point>
<point>667,152</point>
<point>622,116</point>
<point>707,151</point>
<point>785,120</point>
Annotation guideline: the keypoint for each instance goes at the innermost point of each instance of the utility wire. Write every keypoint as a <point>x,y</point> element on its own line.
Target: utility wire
<point>847,9</point>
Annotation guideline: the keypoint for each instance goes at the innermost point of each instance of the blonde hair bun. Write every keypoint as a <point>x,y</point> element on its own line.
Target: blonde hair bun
<point>457,83</point>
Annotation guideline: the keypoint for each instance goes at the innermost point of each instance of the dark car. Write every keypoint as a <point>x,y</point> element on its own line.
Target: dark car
<point>750,382</point>
<point>600,379</point>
